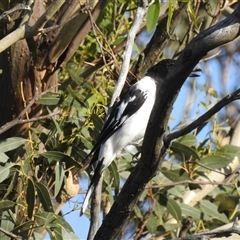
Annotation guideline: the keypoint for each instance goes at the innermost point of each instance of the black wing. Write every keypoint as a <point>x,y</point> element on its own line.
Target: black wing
<point>125,108</point>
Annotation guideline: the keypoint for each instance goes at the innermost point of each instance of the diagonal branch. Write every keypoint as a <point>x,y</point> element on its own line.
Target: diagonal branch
<point>206,116</point>
<point>25,31</point>
<point>153,151</point>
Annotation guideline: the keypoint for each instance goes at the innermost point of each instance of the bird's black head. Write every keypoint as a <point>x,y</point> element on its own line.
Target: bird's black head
<point>161,69</point>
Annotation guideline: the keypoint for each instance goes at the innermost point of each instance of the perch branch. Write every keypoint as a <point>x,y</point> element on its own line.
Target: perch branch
<point>205,117</point>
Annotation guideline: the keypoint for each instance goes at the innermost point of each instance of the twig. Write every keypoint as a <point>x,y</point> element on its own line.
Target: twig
<point>217,107</point>
<point>141,11</point>
<point>18,7</point>
<point>19,120</point>
<point>9,234</point>
<point>189,182</point>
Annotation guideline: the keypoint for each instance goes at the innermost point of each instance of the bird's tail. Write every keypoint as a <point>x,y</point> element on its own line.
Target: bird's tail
<point>92,186</point>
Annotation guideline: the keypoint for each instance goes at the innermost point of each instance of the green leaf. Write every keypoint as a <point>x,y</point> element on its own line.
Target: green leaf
<point>55,123</point>
<point>138,212</point>
<point>174,209</point>
<point>58,178</point>
<point>171,205</point>
<point>11,143</point>
<point>4,171</point>
<point>188,140</point>
<point>44,196</point>
<point>6,224</point>
<point>211,210</point>
<point>152,223</point>
<point>229,151</point>
<point>49,99</point>
<point>116,179</point>
<point>78,97</point>
<point>6,204</point>
<point>152,16</point>
<point>66,234</point>
<point>170,14</point>
<point>184,151</point>
<point>213,162</point>
<point>3,158</point>
<point>97,122</point>
<point>227,202</point>
<point>49,219</point>
<point>192,14</point>
<point>91,100</point>
<point>193,212</point>
<point>175,175</point>
<point>59,156</point>
<point>23,227</point>
<point>30,197</point>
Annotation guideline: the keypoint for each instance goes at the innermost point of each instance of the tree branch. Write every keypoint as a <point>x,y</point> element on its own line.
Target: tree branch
<point>153,150</point>
<point>215,233</point>
<point>206,116</point>
<point>141,12</point>
<point>25,31</point>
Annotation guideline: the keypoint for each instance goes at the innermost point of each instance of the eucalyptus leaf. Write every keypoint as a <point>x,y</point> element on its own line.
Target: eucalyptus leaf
<point>30,198</point>
<point>11,143</point>
<point>211,210</point>
<point>152,16</point>
<point>44,196</point>
<point>49,99</point>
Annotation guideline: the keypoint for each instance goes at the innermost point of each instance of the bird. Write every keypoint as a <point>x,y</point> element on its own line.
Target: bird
<point>127,122</point>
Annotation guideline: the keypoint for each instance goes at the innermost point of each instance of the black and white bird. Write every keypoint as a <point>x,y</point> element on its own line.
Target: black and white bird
<point>127,122</point>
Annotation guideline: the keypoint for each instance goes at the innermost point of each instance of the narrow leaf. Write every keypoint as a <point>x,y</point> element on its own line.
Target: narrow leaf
<point>44,196</point>
<point>174,209</point>
<point>49,99</point>
<point>6,204</point>
<point>152,16</point>
<point>30,197</point>
<point>59,156</point>
<point>116,179</point>
<point>59,178</point>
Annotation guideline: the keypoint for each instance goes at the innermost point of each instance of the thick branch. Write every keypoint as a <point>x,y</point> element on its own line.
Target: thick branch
<point>153,151</point>
<point>24,31</point>
<point>206,116</point>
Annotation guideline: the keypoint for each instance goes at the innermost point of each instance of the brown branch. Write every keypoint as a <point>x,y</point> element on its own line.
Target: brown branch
<point>215,233</point>
<point>205,117</point>
<point>189,182</point>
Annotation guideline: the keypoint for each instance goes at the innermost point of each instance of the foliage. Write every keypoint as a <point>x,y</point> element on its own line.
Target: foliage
<point>36,165</point>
